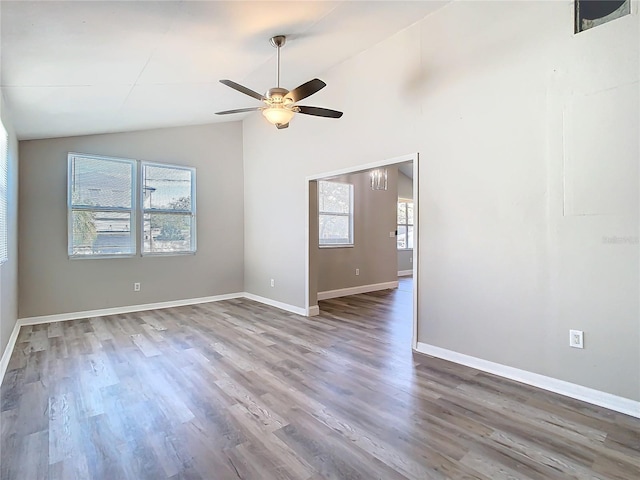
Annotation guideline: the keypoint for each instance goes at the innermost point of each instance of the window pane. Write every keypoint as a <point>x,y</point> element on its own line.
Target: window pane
<point>410,213</point>
<point>334,197</point>
<point>167,233</point>
<point>102,233</point>
<point>402,212</point>
<point>334,229</point>
<point>402,236</point>
<point>410,238</point>
<point>4,201</point>
<point>166,188</point>
<point>101,182</point>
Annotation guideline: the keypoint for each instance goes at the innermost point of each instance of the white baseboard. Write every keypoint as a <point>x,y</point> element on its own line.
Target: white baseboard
<point>313,310</point>
<point>6,356</point>
<point>572,390</point>
<point>343,292</point>
<point>60,317</point>
<point>277,304</point>
<point>404,273</point>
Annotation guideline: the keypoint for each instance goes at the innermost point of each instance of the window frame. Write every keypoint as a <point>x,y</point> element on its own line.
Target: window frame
<point>71,208</point>
<point>143,210</point>
<point>406,201</point>
<point>4,194</point>
<point>137,210</point>
<point>351,238</point>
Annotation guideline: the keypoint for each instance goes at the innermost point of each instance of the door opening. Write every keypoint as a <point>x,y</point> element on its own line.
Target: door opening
<point>382,251</point>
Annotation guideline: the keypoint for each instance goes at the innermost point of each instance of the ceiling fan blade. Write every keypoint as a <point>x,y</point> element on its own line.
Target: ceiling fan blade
<point>305,90</point>
<point>280,126</point>
<point>243,89</point>
<point>319,112</point>
<point>239,110</point>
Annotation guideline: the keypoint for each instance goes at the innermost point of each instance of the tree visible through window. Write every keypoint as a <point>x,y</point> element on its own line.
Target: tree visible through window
<point>168,206</point>
<point>105,219</point>
<point>405,225</point>
<point>101,205</point>
<point>335,213</point>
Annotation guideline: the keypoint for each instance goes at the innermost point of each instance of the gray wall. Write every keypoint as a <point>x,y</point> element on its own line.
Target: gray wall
<point>405,186</point>
<point>405,260</point>
<point>374,252</point>
<point>51,283</point>
<point>9,270</point>
<point>526,231</point>
<point>405,191</point>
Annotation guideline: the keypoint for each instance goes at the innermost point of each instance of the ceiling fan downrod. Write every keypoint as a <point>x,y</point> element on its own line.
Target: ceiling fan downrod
<point>278,41</point>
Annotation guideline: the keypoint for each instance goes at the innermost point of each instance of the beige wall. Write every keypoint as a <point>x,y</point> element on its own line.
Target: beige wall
<point>51,283</point>
<point>9,269</point>
<point>495,96</point>
<point>373,252</point>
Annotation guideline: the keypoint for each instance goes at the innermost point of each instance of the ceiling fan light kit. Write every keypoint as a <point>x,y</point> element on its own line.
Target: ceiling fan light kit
<point>278,115</point>
<point>280,103</point>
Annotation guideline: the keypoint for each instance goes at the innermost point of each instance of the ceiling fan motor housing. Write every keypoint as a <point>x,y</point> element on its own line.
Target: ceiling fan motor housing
<point>277,95</point>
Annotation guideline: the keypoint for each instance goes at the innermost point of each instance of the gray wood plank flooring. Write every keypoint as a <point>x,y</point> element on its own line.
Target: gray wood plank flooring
<point>240,390</point>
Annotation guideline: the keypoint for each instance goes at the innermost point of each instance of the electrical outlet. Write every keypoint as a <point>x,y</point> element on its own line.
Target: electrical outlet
<point>136,287</point>
<point>357,271</point>
<point>576,338</point>
<point>273,282</point>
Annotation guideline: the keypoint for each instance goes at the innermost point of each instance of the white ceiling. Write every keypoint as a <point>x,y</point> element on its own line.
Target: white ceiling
<point>82,67</point>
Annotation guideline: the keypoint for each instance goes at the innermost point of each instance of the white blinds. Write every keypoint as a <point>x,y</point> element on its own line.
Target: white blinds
<point>4,160</point>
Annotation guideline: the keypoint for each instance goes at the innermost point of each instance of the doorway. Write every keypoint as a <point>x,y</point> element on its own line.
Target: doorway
<point>312,248</point>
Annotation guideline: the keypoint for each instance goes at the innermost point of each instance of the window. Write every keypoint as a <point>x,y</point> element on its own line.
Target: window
<point>591,13</point>
<point>168,207</point>
<point>104,214</point>
<point>335,214</point>
<point>4,193</point>
<point>101,206</point>
<point>405,225</point>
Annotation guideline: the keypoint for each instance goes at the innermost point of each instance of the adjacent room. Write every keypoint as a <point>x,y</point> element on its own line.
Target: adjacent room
<point>320,240</point>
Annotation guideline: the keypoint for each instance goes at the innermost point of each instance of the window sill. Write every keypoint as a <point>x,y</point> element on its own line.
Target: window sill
<point>336,246</point>
<point>166,254</point>
<point>100,257</point>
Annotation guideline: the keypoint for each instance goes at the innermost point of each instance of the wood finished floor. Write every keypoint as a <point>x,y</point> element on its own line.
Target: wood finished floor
<point>239,390</point>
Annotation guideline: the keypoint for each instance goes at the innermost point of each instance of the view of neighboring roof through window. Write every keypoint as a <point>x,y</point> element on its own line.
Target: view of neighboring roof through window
<point>109,210</point>
<point>168,205</point>
<point>102,214</point>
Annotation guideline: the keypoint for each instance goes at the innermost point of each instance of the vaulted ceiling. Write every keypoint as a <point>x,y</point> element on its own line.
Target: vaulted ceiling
<point>82,67</point>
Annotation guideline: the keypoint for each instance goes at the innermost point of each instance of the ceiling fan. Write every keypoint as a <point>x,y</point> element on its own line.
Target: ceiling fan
<point>280,103</point>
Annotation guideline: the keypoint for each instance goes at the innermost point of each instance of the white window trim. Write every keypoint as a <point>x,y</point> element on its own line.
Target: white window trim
<point>137,210</point>
<point>192,214</point>
<point>4,192</point>
<point>351,240</point>
<point>70,208</point>
<point>406,224</point>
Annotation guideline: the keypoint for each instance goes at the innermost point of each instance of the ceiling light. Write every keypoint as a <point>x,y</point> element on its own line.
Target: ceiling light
<point>278,115</point>
<point>379,179</point>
